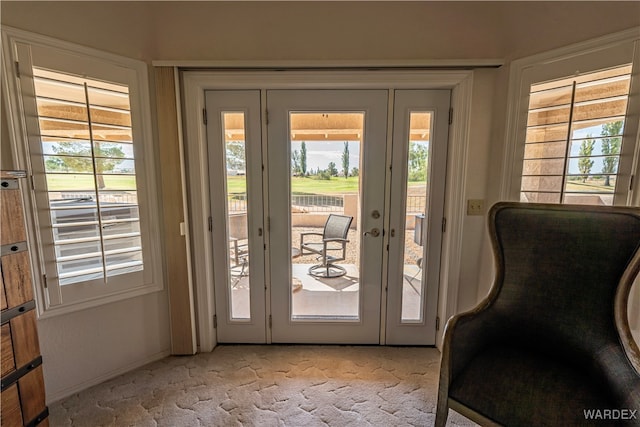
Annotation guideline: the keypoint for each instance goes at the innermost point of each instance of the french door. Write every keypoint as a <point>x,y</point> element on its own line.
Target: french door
<point>235,180</point>
<point>285,167</point>
<point>344,309</point>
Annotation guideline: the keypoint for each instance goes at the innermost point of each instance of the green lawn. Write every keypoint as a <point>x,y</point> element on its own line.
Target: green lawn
<point>237,184</point>
<point>336,185</point>
<point>85,182</point>
<point>299,185</point>
<point>595,185</point>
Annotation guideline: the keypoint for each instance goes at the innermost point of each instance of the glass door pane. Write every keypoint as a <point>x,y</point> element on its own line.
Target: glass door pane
<point>325,195</point>
<point>237,208</point>
<point>416,203</point>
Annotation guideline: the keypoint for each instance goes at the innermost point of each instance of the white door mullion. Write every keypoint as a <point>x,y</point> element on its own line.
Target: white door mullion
<point>265,212</point>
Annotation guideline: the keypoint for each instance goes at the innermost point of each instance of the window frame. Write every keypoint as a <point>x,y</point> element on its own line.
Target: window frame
<point>22,51</point>
<point>582,58</point>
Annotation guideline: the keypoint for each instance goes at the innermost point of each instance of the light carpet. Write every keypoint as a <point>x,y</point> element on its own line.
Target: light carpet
<point>268,385</point>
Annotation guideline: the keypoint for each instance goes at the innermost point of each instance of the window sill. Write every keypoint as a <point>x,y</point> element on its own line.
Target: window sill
<point>59,310</point>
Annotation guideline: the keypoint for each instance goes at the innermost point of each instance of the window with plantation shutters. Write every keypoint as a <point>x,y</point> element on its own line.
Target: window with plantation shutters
<point>86,144</point>
<point>574,136</point>
<point>572,125</point>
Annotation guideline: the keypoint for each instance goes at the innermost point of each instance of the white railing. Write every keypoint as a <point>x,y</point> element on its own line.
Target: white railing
<point>318,203</point>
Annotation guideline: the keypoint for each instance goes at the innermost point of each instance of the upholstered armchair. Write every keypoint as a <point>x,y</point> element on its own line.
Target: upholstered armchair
<point>550,345</point>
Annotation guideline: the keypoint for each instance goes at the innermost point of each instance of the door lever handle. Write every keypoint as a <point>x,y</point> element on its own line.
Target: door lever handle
<point>374,232</point>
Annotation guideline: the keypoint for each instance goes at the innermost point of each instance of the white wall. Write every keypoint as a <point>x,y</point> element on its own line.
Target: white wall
<point>474,251</point>
<point>87,346</point>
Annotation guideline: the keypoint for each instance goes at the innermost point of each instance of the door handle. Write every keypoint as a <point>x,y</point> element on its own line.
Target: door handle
<point>374,232</point>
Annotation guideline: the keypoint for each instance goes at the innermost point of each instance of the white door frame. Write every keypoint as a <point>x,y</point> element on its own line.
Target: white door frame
<point>194,85</point>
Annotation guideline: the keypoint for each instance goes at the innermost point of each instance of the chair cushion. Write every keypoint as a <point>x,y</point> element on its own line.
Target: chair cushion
<point>515,387</point>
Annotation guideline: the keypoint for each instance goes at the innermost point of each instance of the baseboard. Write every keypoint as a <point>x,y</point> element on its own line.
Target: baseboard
<point>55,397</point>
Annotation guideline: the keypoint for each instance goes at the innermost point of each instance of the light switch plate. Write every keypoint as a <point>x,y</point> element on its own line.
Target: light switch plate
<point>475,207</point>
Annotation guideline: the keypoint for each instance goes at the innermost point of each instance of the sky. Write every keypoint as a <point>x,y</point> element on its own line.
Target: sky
<point>320,153</point>
<point>589,132</point>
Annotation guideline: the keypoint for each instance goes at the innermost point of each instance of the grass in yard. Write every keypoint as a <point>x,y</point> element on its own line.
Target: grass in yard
<point>85,182</point>
<point>595,186</point>
<point>299,185</point>
<point>336,185</point>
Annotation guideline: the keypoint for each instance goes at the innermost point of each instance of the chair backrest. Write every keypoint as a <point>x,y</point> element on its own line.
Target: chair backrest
<point>337,226</point>
<point>558,270</point>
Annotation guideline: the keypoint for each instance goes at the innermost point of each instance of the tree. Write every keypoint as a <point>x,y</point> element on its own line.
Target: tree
<point>355,171</point>
<point>303,158</point>
<point>235,155</point>
<point>586,162</point>
<point>611,149</point>
<point>418,155</point>
<point>331,168</point>
<point>345,160</point>
<point>295,162</point>
<point>77,157</point>
<point>323,175</point>
<point>54,164</point>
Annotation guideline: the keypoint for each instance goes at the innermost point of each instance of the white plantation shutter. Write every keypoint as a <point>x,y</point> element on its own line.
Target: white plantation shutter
<point>90,156</point>
<point>573,118</point>
<point>85,132</point>
<point>573,138</point>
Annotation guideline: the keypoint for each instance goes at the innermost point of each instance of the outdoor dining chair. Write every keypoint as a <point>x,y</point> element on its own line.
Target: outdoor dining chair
<point>331,248</point>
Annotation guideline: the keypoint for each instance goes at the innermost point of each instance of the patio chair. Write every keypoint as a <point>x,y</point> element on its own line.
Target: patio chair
<point>240,269</point>
<point>418,271</point>
<point>238,237</point>
<point>332,247</point>
<point>238,247</point>
<point>550,344</point>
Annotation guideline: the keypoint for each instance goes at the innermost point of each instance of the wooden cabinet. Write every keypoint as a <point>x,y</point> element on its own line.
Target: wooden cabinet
<point>23,399</point>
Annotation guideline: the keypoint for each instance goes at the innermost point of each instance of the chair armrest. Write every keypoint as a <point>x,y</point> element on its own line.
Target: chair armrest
<point>467,333</point>
<point>336,239</point>
<point>308,233</point>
